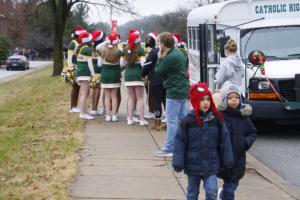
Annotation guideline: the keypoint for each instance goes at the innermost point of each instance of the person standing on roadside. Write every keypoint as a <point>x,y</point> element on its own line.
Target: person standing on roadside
<point>85,70</point>
<point>171,68</point>
<point>155,83</point>
<point>98,38</point>
<point>72,62</point>
<point>242,134</point>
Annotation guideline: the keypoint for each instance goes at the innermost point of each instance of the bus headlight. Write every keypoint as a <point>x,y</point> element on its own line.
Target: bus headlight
<point>264,85</point>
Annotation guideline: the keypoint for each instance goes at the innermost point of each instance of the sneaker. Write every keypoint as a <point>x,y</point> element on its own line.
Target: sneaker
<point>86,116</point>
<point>149,115</point>
<point>102,111</point>
<point>114,118</point>
<point>108,118</point>
<point>135,120</point>
<point>219,193</point>
<point>74,110</point>
<point>163,154</point>
<point>144,123</point>
<point>129,122</point>
<point>95,113</point>
<point>164,120</point>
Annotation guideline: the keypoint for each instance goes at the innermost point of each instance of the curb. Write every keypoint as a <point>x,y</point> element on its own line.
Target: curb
<point>15,76</point>
<point>272,177</point>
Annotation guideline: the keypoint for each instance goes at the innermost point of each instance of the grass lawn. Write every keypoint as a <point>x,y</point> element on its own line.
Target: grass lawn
<point>39,139</point>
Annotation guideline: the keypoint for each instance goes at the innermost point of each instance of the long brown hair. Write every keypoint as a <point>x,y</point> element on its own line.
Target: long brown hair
<point>131,57</point>
<point>112,54</point>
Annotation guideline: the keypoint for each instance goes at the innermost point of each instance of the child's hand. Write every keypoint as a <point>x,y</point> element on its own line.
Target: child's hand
<point>177,170</point>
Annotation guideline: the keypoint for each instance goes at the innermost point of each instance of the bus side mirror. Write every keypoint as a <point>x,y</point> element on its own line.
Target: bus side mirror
<point>257,57</point>
<point>223,41</point>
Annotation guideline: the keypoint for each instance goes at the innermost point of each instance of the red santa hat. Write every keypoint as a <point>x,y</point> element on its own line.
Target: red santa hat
<point>177,38</point>
<point>79,30</point>
<point>197,92</point>
<point>113,38</point>
<point>153,35</point>
<point>85,37</point>
<point>133,38</point>
<point>97,35</point>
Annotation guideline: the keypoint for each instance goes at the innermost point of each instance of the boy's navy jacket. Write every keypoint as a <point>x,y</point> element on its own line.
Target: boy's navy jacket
<point>242,134</point>
<point>200,150</point>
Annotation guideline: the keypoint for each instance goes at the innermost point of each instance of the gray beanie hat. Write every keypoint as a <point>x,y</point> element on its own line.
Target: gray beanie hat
<point>230,88</point>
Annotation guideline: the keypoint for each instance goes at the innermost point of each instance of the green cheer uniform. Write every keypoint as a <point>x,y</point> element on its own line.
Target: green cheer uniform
<point>73,45</point>
<point>111,74</point>
<point>83,71</point>
<point>133,74</point>
<point>97,68</point>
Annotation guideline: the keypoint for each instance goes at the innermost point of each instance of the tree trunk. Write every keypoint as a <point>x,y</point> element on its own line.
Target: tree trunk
<point>58,50</point>
<point>60,13</point>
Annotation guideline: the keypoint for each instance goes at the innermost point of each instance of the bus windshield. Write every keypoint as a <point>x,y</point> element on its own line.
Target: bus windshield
<point>277,43</point>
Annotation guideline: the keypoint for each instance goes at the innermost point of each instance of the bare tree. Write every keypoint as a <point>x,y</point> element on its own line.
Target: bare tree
<point>60,11</point>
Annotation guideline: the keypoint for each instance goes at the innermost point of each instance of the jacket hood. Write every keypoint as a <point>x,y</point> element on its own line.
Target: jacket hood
<point>236,62</point>
<point>246,110</point>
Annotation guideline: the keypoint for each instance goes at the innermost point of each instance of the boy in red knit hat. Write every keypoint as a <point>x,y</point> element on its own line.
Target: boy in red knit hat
<point>202,144</point>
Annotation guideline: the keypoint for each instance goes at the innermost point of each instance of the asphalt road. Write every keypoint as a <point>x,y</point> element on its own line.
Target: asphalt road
<point>278,147</point>
<point>32,65</point>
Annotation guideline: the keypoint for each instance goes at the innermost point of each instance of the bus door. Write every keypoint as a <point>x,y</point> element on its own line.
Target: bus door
<point>209,53</point>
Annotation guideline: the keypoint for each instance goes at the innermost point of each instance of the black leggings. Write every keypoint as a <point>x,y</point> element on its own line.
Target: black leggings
<point>159,94</point>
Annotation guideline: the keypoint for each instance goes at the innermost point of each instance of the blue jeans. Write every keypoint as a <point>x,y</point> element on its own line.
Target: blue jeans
<point>229,187</point>
<point>175,111</point>
<point>210,187</point>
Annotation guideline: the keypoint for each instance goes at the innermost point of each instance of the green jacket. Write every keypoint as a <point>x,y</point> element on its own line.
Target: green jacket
<point>172,69</point>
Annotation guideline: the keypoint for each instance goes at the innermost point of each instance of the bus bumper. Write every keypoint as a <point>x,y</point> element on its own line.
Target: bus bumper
<point>272,110</point>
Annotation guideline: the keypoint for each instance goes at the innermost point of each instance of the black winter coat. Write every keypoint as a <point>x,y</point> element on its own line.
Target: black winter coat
<point>242,134</point>
<point>199,150</point>
<point>149,66</point>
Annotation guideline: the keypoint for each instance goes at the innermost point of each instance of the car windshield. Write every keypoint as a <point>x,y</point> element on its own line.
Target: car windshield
<point>277,43</point>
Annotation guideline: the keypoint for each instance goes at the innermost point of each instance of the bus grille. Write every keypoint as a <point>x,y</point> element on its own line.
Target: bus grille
<point>287,89</point>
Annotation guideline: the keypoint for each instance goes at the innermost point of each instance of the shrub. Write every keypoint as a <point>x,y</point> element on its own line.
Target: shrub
<point>4,48</point>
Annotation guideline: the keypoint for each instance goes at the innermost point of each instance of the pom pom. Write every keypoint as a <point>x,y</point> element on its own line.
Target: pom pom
<point>129,51</point>
<point>110,46</point>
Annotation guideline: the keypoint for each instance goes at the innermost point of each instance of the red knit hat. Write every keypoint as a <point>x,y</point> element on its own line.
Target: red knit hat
<point>197,92</point>
<point>133,38</point>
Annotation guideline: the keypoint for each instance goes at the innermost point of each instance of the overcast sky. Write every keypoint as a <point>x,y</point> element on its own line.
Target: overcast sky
<point>143,7</point>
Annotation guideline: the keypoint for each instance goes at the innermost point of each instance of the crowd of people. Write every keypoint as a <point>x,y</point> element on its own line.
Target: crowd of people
<point>207,142</point>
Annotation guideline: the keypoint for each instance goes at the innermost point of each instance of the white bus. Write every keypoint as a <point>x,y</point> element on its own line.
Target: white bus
<point>270,26</point>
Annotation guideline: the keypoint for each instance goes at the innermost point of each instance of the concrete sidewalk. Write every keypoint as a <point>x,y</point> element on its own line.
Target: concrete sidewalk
<point>117,163</point>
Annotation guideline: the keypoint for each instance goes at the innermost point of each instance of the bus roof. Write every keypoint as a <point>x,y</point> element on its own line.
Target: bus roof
<point>241,11</point>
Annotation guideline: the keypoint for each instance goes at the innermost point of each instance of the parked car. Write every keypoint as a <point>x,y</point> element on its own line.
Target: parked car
<point>17,62</point>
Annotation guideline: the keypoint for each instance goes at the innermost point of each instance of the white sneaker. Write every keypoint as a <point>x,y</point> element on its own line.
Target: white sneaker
<point>95,113</point>
<point>129,122</point>
<point>164,120</point>
<point>219,193</point>
<point>74,110</point>
<point>114,118</point>
<point>86,116</point>
<point>102,111</point>
<point>135,120</point>
<point>149,115</point>
<point>144,123</point>
<point>108,118</point>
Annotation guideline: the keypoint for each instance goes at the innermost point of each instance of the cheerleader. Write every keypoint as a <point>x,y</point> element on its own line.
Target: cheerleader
<point>111,76</point>
<point>133,59</point>
<point>72,61</point>
<point>85,70</point>
<point>98,38</point>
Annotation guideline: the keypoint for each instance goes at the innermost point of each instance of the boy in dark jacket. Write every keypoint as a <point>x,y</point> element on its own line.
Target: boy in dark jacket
<point>242,135</point>
<point>201,143</point>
